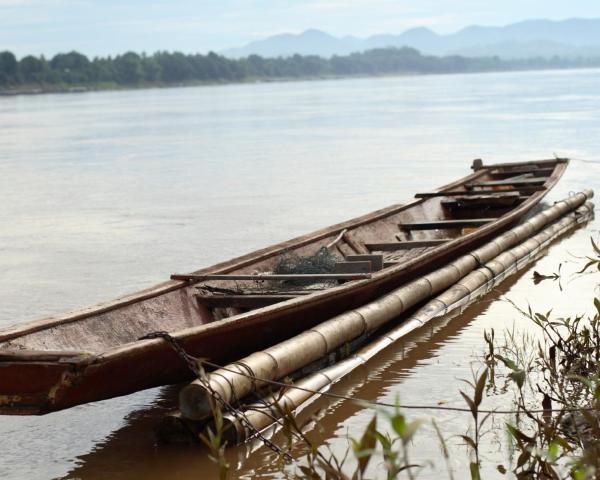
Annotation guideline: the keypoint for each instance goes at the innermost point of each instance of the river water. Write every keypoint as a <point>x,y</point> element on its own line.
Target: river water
<point>104,193</point>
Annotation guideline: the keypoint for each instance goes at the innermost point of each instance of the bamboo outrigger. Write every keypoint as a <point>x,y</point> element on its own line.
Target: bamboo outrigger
<point>458,283</point>
<point>97,353</point>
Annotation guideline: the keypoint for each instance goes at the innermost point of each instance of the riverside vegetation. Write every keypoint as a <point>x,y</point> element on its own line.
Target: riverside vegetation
<point>552,375</point>
<point>73,70</point>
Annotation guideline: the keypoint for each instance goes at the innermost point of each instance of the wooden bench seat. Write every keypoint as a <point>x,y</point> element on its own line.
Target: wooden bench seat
<point>442,224</point>
<point>405,245</point>
<point>454,193</point>
<point>508,182</point>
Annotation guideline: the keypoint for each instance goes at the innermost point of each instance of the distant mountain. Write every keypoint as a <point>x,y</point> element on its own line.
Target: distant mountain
<point>546,38</point>
<point>310,42</point>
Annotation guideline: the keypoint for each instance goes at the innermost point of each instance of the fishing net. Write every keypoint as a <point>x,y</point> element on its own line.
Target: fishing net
<point>323,261</point>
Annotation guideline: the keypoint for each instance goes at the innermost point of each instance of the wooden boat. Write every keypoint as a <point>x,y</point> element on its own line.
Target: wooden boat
<point>96,353</point>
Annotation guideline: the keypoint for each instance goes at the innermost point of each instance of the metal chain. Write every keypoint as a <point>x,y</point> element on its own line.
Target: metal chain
<point>192,364</point>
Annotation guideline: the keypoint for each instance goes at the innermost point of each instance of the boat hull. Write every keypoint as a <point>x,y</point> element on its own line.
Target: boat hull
<point>39,382</point>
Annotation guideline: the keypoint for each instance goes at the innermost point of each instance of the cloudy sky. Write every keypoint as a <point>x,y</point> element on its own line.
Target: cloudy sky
<point>101,27</point>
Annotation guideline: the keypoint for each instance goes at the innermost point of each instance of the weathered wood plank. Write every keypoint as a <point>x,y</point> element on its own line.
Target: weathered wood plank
<point>241,301</point>
<point>440,224</point>
<point>508,181</point>
<point>353,267</point>
<point>376,260</point>
<point>539,163</point>
<point>537,172</point>
<point>520,176</point>
<point>356,246</point>
<point>311,276</point>
<point>484,201</point>
<point>405,245</point>
<point>454,193</point>
<point>39,355</point>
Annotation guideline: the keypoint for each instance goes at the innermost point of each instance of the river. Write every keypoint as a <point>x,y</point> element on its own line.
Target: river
<point>104,193</point>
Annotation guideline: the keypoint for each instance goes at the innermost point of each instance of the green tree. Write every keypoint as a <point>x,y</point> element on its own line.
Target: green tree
<point>8,68</point>
<point>33,69</point>
<point>129,68</point>
<point>150,69</point>
<point>174,67</point>
<point>72,67</point>
<point>103,70</point>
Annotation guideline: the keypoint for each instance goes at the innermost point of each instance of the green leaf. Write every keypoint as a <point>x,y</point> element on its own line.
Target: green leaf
<point>411,429</point>
<point>597,391</point>
<point>595,247</point>
<point>507,362</point>
<point>330,471</point>
<point>384,440</point>
<point>306,471</point>
<point>479,387</point>
<point>470,403</point>
<point>518,434</point>
<point>518,377</point>
<point>469,441</point>
<point>579,473</point>
<point>399,424</point>
<point>560,441</point>
<point>441,439</point>
<point>553,450</point>
<point>366,445</point>
<point>474,468</point>
<point>525,455</point>
<point>587,265</point>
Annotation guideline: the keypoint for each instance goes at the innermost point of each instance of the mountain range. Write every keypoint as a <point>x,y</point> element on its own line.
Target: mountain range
<point>575,37</point>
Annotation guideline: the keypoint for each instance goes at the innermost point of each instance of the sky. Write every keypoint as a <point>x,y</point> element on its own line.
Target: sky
<point>109,27</point>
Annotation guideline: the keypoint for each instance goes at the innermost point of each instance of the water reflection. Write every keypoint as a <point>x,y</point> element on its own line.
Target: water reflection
<point>104,193</point>
<point>131,451</point>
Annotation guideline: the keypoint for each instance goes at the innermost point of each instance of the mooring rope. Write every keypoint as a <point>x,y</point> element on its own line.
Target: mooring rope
<point>191,360</point>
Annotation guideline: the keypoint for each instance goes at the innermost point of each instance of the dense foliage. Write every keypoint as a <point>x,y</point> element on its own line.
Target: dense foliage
<point>131,69</point>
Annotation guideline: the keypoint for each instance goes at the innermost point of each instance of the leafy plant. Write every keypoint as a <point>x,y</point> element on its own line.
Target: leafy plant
<point>593,262</point>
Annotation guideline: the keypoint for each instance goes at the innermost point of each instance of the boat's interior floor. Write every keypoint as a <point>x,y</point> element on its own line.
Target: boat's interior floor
<point>400,256</point>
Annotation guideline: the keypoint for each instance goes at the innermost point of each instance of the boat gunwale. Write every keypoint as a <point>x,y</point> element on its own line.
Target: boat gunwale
<point>18,330</point>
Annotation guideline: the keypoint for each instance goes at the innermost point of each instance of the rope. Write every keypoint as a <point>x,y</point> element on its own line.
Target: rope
<point>179,349</point>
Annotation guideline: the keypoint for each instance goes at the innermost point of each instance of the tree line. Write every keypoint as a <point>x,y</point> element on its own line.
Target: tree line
<point>132,69</point>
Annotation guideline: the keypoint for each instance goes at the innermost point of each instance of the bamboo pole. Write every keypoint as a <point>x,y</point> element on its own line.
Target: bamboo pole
<point>286,357</point>
<point>472,286</point>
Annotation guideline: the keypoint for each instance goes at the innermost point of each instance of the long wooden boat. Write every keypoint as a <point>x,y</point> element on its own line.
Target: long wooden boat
<point>96,353</point>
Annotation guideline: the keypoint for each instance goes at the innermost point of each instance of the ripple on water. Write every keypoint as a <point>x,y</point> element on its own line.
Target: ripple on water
<point>132,186</point>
